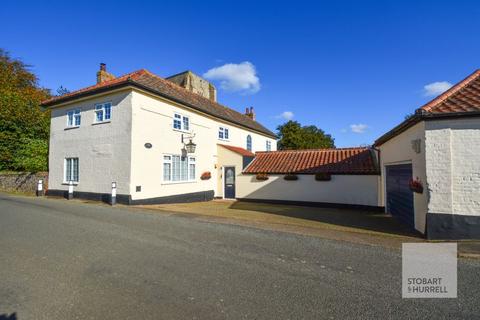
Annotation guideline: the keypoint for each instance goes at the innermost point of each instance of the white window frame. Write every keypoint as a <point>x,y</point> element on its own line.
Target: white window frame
<point>182,119</point>
<point>223,133</point>
<point>75,114</point>
<point>101,107</point>
<point>249,142</point>
<point>66,178</point>
<point>268,145</point>
<point>168,159</point>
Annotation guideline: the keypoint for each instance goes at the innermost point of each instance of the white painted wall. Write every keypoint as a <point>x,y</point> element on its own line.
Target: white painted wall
<point>398,150</point>
<point>342,189</point>
<point>453,165</point>
<point>152,121</point>
<point>103,149</point>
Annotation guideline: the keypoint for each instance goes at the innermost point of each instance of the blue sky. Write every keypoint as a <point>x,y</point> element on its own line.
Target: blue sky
<point>352,68</point>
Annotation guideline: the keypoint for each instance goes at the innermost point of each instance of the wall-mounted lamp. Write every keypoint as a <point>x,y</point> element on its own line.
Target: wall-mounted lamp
<point>190,146</point>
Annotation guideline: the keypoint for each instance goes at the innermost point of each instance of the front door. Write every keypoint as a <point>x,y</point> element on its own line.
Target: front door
<point>229,182</point>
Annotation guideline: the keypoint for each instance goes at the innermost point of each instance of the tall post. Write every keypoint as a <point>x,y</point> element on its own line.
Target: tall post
<point>70,190</point>
<point>40,191</point>
<point>113,199</point>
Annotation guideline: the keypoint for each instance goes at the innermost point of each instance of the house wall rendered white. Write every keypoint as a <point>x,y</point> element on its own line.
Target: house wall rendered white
<point>453,166</point>
<point>342,189</point>
<point>103,149</point>
<point>398,150</point>
<point>152,122</point>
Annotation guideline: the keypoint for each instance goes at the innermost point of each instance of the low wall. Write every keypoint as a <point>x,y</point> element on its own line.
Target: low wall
<point>25,182</point>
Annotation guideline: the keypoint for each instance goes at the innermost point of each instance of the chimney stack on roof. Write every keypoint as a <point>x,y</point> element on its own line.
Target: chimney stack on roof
<point>103,75</point>
<point>249,112</point>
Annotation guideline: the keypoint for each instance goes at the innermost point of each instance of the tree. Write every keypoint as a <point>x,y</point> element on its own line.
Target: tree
<point>293,136</point>
<point>24,126</point>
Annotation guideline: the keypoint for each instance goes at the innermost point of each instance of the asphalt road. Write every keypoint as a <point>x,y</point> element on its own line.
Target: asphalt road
<point>64,260</point>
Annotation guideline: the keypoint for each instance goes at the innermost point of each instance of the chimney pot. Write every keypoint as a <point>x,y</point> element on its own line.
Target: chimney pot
<point>103,67</point>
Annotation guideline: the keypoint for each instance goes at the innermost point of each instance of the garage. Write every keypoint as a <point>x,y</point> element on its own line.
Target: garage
<point>399,195</point>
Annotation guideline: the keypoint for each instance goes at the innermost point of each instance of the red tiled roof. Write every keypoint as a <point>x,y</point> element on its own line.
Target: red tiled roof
<point>241,151</point>
<point>333,161</point>
<point>162,87</point>
<point>461,100</point>
<point>462,97</point>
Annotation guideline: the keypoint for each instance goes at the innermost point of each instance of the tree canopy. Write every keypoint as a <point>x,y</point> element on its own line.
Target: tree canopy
<point>293,136</point>
<point>24,126</point>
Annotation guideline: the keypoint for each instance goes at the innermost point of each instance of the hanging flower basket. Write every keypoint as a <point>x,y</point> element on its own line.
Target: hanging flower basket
<point>290,177</point>
<point>262,176</point>
<point>416,185</point>
<point>322,176</point>
<point>206,175</point>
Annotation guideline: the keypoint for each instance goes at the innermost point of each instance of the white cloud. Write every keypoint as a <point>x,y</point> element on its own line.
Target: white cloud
<point>436,88</point>
<point>286,115</point>
<point>358,128</point>
<point>233,77</point>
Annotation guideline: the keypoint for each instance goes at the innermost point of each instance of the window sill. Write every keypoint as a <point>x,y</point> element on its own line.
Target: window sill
<point>67,183</point>
<point>224,140</point>
<point>182,131</point>
<point>71,127</point>
<point>101,122</point>
<point>177,182</point>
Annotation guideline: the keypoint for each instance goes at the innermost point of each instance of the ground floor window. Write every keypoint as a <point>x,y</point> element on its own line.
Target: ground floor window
<point>177,168</point>
<point>71,169</point>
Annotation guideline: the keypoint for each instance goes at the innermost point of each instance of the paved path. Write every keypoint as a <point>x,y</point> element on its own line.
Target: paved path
<point>64,260</point>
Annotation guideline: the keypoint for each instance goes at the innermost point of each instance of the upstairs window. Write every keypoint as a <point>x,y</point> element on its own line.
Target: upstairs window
<point>181,122</point>
<point>249,143</point>
<point>223,133</point>
<point>268,146</point>
<point>103,112</point>
<point>73,118</point>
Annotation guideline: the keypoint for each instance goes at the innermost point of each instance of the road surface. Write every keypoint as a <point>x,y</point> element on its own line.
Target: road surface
<point>73,260</point>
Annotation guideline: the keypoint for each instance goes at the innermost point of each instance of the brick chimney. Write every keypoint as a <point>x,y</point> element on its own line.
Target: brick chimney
<point>249,112</point>
<point>103,75</point>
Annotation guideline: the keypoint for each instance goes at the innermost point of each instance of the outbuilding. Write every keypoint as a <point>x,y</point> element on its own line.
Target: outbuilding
<point>430,165</point>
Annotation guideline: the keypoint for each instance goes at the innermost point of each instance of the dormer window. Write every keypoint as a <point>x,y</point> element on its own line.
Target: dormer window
<point>223,133</point>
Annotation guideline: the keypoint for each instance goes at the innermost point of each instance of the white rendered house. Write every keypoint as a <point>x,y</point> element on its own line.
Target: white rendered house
<point>134,130</point>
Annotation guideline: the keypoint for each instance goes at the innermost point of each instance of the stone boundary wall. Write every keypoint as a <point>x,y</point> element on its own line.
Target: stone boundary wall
<point>25,182</point>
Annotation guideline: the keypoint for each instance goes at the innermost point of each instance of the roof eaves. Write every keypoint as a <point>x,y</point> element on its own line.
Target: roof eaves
<point>159,93</point>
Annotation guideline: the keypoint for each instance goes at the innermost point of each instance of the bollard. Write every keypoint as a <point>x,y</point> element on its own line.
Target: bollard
<point>40,191</point>
<point>70,190</point>
<point>113,199</point>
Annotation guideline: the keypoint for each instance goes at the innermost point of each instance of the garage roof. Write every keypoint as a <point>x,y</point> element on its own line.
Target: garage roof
<point>333,161</point>
<point>461,100</point>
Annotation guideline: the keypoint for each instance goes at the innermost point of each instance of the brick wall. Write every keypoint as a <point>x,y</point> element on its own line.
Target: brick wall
<point>22,181</point>
<point>453,166</point>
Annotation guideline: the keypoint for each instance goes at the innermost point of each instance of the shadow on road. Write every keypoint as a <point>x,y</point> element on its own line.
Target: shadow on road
<point>361,219</point>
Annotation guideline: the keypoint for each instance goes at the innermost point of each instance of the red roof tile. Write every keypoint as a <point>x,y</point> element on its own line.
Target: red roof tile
<point>333,161</point>
<point>162,87</point>
<point>461,100</point>
<point>241,151</point>
<point>462,97</point>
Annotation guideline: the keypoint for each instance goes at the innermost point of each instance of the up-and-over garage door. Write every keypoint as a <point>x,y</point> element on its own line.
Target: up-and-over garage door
<point>399,195</point>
